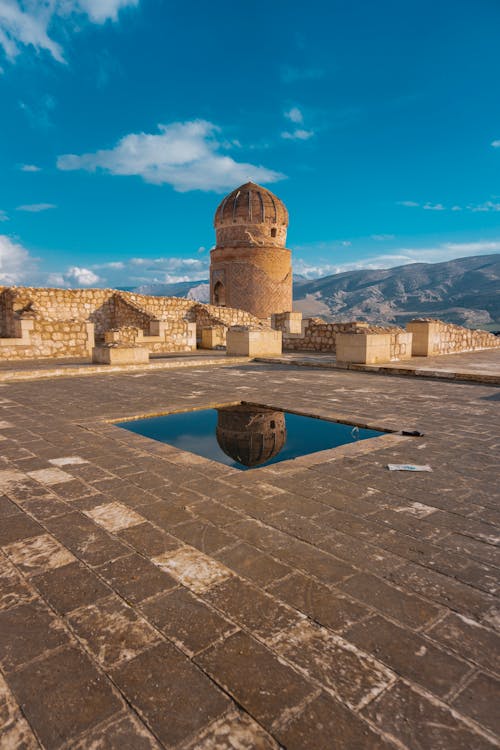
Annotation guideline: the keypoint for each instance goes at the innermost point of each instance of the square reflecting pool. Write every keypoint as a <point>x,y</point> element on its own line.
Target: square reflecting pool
<point>246,436</point>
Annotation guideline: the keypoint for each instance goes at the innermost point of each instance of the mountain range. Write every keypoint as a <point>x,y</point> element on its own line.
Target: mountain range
<point>464,291</point>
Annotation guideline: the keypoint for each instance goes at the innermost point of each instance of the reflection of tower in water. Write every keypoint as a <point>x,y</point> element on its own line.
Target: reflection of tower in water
<point>250,435</point>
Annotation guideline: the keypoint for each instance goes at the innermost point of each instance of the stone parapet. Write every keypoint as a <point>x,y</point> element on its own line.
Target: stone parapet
<point>63,322</point>
<point>316,334</point>
<point>432,337</point>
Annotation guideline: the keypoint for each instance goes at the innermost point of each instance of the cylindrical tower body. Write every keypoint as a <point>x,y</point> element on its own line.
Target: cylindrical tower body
<point>250,267</point>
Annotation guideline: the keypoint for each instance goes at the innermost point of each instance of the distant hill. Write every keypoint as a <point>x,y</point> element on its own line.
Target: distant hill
<point>464,291</point>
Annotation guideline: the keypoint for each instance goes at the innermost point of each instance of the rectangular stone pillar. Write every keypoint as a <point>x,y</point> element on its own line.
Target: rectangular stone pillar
<point>363,348</point>
<point>245,342</point>
<point>426,337</point>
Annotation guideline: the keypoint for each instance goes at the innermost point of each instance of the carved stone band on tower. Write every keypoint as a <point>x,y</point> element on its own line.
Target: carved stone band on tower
<point>250,267</point>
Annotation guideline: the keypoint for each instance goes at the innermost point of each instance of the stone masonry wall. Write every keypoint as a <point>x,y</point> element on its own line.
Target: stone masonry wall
<point>318,336</point>
<point>53,338</point>
<point>447,338</point>
<point>60,317</point>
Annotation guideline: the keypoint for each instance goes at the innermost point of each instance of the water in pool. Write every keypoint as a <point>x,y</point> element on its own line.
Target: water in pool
<point>245,436</point>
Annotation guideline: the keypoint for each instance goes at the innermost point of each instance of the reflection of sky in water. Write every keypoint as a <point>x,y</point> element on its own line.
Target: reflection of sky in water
<point>195,432</point>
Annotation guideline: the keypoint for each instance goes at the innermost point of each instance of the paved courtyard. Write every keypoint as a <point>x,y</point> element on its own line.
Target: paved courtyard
<point>150,598</point>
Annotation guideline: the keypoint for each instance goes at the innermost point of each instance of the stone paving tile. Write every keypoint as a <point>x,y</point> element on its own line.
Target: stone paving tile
<point>420,722</point>
<point>480,700</point>
<point>253,564</point>
<point>469,640</point>
<point>409,654</point>
<point>85,539</point>
<point>70,587</point>
<point>339,728</point>
<point>136,578</point>
<point>443,589</point>
<point>15,732</point>
<point>124,732</point>
<point>8,508</point>
<point>63,695</point>
<point>148,540</point>
<point>68,461</point>
<point>204,536</point>
<point>255,677</point>
<point>50,476</point>
<point>233,731</point>
<point>15,527</point>
<point>215,512</point>
<point>393,602</point>
<point>251,608</point>
<point>328,607</point>
<point>160,684</point>
<point>193,569</point>
<point>28,630</point>
<point>114,516</point>
<point>38,554</point>
<point>165,516</point>
<point>112,631</point>
<point>351,675</point>
<point>186,620</point>
<point>310,560</point>
<point>13,587</point>
<point>44,507</point>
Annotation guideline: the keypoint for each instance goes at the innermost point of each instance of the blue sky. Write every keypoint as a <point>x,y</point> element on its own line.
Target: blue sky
<point>124,122</point>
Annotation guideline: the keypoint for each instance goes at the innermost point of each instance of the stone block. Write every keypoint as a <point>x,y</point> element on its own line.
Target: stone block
<point>213,336</point>
<point>288,322</point>
<point>248,342</point>
<point>363,348</point>
<point>120,354</point>
<point>403,345</point>
<point>426,337</point>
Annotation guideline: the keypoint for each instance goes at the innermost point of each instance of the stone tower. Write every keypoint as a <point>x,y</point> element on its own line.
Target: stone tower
<point>250,267</point>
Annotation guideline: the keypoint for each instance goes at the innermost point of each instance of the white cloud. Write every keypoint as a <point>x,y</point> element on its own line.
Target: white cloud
<point>484,207</point>
<point>29,168</point>
<point>297,135</point>
<point>294,115</point>
<point>36,208</point>
<point>74,276</point>
<point>16,263</point>
<point>185,155</point>
<point>495,144</point>
<point>382,237</point>
<point>3,215</point>
<point>27,22</point>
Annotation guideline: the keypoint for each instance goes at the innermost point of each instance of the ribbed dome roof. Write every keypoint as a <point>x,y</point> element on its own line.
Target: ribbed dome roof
<point>249,435</point>
<point>251,204</point>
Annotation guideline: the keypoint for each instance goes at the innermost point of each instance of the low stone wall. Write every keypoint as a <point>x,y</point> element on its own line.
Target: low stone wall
<point>164,324</point>
<point>318,336</point>
<point>433,337</point>
<point>52,338</point>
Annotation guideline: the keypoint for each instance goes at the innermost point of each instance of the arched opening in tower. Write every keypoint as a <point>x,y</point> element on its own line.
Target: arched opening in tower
<point>220,294</point>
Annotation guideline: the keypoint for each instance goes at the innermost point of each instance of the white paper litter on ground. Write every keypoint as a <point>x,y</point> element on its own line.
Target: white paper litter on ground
<point>408,467</point>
